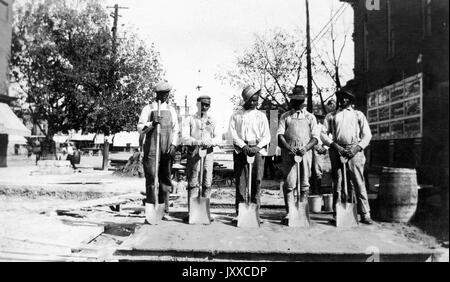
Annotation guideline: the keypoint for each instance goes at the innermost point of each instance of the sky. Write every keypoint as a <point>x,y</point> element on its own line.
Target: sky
<point>207,35</point>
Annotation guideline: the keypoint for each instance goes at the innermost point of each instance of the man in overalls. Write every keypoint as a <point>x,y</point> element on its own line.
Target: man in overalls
<point>199,131</point>
<point>250,131</point>
<point>350,136</point>
<point>297,135</point>
<point>168,121</point>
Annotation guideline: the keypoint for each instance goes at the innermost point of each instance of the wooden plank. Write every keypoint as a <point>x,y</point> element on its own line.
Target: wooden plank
<point>111,201</point>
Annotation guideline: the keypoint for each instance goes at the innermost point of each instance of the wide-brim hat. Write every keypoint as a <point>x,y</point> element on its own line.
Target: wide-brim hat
<point>163,87</point>
<point>298,93</point>
<point>249,92</point>
<point>204,99</point>
<point>345,93</point>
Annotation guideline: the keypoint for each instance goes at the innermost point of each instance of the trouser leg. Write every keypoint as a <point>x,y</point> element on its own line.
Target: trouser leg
<point>208,167</point>
<point>336,176</point>
<point>240,168</point>
<point>356,174</point>
<point>149,172</point>
<point>289,169</point>
<point>257,177</point>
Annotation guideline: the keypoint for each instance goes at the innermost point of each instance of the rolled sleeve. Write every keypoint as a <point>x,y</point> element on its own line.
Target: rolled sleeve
<point>234,135</point>
<point>144,125</point>
<point>282,125</point>
<point>326,130</point>
<point>175,127</point>
<point>265,132</point>
<point>186,138</point>
<point>315,130</point>
<point>365,132</point>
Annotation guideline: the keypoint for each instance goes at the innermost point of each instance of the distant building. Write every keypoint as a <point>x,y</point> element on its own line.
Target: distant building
<point>11,127</point>
<point>401,82</point>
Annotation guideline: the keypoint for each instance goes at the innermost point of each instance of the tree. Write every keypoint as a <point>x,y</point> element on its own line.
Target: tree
<point>333,48</point>
<point>63,60</point>
<point>273,63</point>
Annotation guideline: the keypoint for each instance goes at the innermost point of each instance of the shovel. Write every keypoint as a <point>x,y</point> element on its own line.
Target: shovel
<point>155,212</point>
<point>199,206</point>
<point>298,212</point>
<point>248,216</point>
<point>346,213</point>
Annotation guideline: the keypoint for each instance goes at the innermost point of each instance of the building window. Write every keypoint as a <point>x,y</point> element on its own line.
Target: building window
<point>4,11</point>
<point>426,17</point>
<point>390,31</point>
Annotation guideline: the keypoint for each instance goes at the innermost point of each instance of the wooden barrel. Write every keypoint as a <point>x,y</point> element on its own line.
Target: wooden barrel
<point>397,195</point>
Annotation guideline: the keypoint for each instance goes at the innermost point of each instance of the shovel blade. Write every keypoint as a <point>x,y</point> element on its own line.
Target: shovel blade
<point>154,213</point>
<point>199,211</point>
<point>299,215</point>
<point>248,216</point>
<point>346,215</point>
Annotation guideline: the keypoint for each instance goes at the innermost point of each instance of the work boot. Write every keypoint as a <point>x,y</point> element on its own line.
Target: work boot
<point>366,220</point>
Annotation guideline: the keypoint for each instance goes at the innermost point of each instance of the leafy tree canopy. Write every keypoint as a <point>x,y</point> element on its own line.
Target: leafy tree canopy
<point>69,73</point>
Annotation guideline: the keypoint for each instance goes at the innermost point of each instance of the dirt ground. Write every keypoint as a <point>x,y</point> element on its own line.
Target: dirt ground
<point>29,231</point>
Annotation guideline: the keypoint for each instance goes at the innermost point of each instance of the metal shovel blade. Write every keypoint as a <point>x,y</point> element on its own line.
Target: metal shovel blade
<point>346,215</point>
<point>199,211</point>
<point>299,215</point>
<point>154,213</point>
<point>248,216</point>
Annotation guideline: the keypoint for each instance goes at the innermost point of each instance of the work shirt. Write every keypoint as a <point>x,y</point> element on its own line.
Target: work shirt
<point>250,126</point>
<point>197,129</point>
<point>286,118</point>
<point>144,120</point>
<point>348,127</point>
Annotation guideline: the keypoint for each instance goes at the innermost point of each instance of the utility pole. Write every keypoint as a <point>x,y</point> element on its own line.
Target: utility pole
<point>115,15</point>
<point>308,59</point>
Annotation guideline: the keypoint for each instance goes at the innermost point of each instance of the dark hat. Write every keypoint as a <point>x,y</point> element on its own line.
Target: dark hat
<point>298,93</point>
<point>345,92</point>
<point>204,99</point>
<point>249,92</point>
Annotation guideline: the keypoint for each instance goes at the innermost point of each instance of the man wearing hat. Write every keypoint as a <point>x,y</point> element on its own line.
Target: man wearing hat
<point>297,135</point>
<point>350,135</point>
<point>168,121</point>
<point>199,131</point>
<point>250,132</point>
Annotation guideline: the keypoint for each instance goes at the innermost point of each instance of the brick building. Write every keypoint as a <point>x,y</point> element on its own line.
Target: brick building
<point>11,128</point>
<point>394,40</point>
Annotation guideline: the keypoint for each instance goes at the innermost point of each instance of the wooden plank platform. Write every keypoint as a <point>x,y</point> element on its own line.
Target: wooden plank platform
<point>222,241</point>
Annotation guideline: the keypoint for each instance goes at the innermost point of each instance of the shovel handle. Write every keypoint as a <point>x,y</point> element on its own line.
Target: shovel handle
<point>298,160</point>
<point>250,161</point>
<point>202,154</point>
<point>158,138</point>
<point>344,172</point>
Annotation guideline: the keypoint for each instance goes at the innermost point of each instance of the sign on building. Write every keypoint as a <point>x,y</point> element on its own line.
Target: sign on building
<point>395,111</point>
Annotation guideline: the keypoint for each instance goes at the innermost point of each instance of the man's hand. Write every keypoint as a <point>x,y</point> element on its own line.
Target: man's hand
<point>321,150</point>
<point>353,151</point>
<point>292,150</point>
<point>301,151</point>
<point>339,149</point>
<point>254,150</point>
<point>172,150</point>
<point>157,120</point>
<point>246,150</point>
